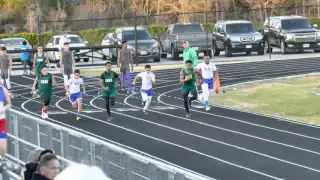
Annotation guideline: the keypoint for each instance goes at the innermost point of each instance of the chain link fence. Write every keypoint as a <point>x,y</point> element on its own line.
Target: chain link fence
<point>27,133</point>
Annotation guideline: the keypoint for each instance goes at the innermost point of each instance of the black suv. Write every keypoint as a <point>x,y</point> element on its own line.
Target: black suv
<point>295,33</point>
<point>236,36</point>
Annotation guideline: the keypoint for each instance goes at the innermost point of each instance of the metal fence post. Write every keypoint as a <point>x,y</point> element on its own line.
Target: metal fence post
<point>127,166</point>
<point>207,29</point>
<point>105,160</point>
<point>154,173</point>
<point>135,37</point>
<point>269,48</point>
<point>38,29</point>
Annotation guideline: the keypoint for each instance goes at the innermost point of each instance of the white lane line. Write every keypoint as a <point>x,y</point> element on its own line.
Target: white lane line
<point>234,119</point>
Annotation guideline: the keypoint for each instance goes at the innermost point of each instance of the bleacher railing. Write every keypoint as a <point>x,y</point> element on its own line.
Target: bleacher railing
<point>27,133</point>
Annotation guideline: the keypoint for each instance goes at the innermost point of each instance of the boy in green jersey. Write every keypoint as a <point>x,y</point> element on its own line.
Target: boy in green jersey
<point>46,81</point>
<point>40,60</point>
<point>109,88</point>
<point>187,78</point>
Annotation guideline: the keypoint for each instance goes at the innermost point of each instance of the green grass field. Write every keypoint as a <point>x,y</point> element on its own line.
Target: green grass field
<point>288,98</point>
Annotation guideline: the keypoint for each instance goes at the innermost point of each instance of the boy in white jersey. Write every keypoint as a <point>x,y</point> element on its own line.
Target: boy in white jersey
<point>209,74</point>
<point>74,91</point>
<point>148,78</point>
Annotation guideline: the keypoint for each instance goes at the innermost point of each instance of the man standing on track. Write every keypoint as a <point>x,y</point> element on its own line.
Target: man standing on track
<point>148,78</point>
<point>124,60</point>
<point>46,81</point>
<point>6,63</point>
<point>4,98</point>
<point>187,78</point>
<point>108,85</point>
<point>189,54</point>
<point>209,74</point>
<point>67,64</point>
<point>75,92</point>
<point>64,39</point>
<point>25,58</point>
<point>40,60</point>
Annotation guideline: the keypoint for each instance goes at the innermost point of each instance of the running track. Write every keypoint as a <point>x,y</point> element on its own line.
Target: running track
<point>223,143</point>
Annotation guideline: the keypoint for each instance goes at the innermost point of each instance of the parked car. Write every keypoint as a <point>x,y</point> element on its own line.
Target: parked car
<point>14,44</point>
<point>171,41</point>
<point>75,41</point>
<point>148,47</point>
<point>234,36</point>
<point>105,42</point>
<point>291,33</point>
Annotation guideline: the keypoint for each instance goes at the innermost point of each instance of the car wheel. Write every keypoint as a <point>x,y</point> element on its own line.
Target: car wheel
<point>227,51</point>
<point>86,60</point>
<point>266,46</point>
<point>216,51</point>
<point>283,48</point>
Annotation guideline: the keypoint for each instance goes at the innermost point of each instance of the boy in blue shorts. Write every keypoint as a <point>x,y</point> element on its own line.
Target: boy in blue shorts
<point>74,92</point>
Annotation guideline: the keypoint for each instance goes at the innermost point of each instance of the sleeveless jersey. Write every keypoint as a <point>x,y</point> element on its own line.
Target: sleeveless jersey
<point>109,81</point>
<point>191,82</point>
<point>45,84</point>
<point>40,62</point>
<point>2,102</point>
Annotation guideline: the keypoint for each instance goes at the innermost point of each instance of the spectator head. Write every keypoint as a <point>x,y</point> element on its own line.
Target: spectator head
<point>147,68</point>
<point>48,166</point>
<point>124,44</point>
<point>185,44</point>
<point>81,172</point>
<point>3,50</point>
<point>24,42</point>
<point>32,163</point>
<point>66,46</point>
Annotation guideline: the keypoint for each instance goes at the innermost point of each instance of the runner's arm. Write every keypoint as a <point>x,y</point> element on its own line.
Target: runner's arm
<point>83,87</point>
<point>134,81</point>
<point>182,79</point>
<point>34,61</point>
<point>47,60</point>
<point>53,80</point>
<point>194,58</point>
<point>102,81</point>
<point>8,100</point>
<point>61,59</point>
<point>34,83</point>
<point>119,79</point>
<point>153,78</point>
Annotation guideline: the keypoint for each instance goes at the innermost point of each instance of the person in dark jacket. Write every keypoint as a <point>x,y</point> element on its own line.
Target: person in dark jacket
<point>48,168</point>
<point>32,163</point>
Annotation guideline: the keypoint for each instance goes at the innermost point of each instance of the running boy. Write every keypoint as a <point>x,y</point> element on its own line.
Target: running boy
<point>148,78</point>
<point>75,92</point>
<point>108,85</point>
<point>40,60</point>
<point>187,78</point>
<point>5,105</point>
<point>46,81</point>
<point>6,69</point>
<point>209,73</point>
<point>67,63</point>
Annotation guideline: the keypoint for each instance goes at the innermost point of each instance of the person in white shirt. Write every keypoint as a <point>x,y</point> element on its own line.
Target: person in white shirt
<point>209,74</point>
<point>74,92</point>
<point>148,78</point>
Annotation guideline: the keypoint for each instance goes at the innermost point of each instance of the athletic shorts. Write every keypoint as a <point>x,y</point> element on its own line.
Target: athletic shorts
<point>3,128</point>
<point>5,74</point>
<point>148,92</point>
<point>74,97</point>
<point>46,97</point>
<point>109,93</point>
<point>210,83</point>
<point>188,89</point>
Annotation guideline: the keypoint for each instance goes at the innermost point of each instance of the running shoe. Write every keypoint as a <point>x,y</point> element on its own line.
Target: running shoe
<point>110,118</point>
<point>208,108</point>
<point>144,111</point>
<point>188,115</point>
<point>78,118</point>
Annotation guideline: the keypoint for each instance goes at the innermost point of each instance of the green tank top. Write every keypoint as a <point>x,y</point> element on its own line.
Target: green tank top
<point>45,84</point>
<point>110,81</point>
<point>191,82</point>
<point>40,61</point>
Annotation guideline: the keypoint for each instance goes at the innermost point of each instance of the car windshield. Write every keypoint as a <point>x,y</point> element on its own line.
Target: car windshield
<point>72,40</point>
<point>187,28</point>
<point>296,24</point>
<point>240,28</point>
<point>13,42</point>
<point>141,35</point>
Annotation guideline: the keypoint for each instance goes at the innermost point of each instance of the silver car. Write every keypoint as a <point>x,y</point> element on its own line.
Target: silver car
<point>14,44</point>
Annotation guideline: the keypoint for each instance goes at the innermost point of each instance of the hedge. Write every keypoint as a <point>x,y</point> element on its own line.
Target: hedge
<point>95,36</point>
